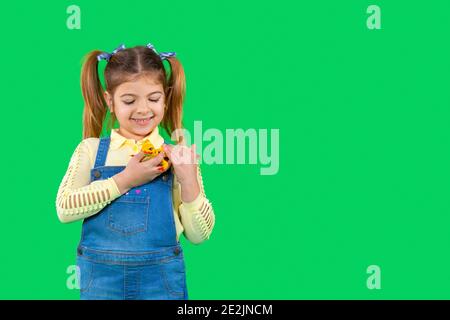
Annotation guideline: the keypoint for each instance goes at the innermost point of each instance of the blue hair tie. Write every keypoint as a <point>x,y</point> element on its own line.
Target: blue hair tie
<point>106,56</point>
<point>162,55</point>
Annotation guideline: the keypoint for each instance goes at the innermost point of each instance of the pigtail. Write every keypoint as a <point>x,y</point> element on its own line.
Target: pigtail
<point>176,90</point>
<point>94,104</point>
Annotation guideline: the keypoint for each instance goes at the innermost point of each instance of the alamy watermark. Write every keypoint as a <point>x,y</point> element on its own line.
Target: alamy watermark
<point>236,146</point>
<point>73,280</point>
<point>373,21</point>
<point>73,21</point>
<point>374,280</point>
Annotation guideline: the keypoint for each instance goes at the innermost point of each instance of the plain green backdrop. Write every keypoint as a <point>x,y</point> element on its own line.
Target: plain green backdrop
<point>364,124</point>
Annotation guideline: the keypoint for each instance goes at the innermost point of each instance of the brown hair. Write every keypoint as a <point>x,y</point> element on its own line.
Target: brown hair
<point>127,65</point>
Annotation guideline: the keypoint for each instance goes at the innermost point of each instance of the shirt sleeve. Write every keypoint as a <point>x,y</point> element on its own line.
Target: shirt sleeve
<point>197,216</point>
<point>77,197</point>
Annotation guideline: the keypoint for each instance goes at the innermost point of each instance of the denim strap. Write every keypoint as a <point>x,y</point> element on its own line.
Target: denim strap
<point>102,151</point>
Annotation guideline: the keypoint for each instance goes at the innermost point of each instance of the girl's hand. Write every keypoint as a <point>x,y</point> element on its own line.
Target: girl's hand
<point>137,173</point>
<point>185,162</point>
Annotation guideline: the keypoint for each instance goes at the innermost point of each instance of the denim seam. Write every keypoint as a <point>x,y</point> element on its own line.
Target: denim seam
<point>167,285</point>
<point>131,253</point>
<point>132,263</point>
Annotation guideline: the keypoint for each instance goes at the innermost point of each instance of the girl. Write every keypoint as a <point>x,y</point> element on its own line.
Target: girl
<point>134,211</point>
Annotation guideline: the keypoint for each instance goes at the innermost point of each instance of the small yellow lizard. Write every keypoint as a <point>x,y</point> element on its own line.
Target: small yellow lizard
<point>150,152</point>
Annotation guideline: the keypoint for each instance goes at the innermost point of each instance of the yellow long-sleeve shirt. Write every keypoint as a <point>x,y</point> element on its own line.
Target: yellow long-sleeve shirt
<point>78,198</point>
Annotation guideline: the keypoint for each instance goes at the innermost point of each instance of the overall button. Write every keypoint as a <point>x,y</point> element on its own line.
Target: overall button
<point>97,174</point>
<point>176,251</point>
<point>165,177</point>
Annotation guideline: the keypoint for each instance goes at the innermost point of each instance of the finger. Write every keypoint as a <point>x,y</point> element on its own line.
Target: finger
<point>138,156</point>
<point>191,154</point>
<point>176,159</point>
<point>156,160</point>
<point>174,152</point>
<point>167,150</point>
<point>195,156</point>
<point>186,158</point>
<point>170,149</point>
<point>181,151</point>
<point>169,146</point>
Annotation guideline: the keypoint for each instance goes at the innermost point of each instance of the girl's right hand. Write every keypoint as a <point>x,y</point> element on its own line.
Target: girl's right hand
<point>137,173</point>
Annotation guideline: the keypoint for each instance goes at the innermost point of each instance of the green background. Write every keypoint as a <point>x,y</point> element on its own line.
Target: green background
<point>363,115</point>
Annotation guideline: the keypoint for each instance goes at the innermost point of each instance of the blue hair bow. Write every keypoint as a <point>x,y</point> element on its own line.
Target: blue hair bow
<point>162,55</point>
<point>106,56</point>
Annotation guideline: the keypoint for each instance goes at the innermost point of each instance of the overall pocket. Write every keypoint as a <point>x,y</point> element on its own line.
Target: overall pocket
<point>128,214</point>
<point>174,277</point>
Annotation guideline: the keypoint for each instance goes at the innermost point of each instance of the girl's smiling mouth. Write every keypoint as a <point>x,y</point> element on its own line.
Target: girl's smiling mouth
<point>142,121</point>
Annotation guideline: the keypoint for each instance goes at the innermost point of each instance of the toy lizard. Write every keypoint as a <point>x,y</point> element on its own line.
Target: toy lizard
<point>150,152</point>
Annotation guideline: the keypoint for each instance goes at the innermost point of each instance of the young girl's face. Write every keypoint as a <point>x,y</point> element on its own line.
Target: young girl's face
<point>138,106</point>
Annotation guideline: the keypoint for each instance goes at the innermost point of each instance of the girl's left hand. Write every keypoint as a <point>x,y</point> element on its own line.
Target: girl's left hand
<point>184,160</point>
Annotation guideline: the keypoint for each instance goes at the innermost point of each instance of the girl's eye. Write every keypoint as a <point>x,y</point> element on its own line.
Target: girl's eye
<point>131,102</point>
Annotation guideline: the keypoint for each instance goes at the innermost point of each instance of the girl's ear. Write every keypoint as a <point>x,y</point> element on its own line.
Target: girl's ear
<point>108,99</point>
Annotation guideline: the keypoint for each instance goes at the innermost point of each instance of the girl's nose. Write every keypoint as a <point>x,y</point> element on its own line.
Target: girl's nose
<point>143,108</point>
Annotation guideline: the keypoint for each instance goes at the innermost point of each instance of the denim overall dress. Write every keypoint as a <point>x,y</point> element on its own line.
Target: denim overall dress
<point>129,250</point>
